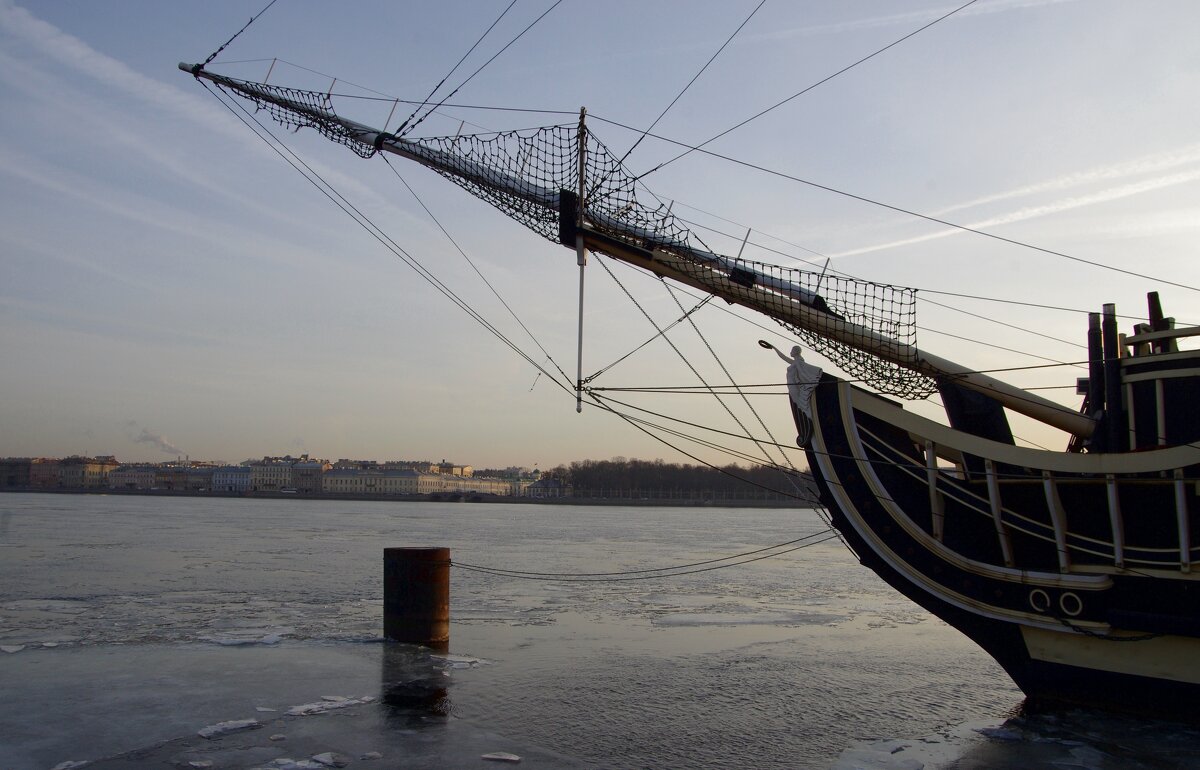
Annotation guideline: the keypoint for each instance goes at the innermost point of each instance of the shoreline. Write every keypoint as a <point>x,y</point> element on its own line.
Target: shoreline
<point>429,498</point>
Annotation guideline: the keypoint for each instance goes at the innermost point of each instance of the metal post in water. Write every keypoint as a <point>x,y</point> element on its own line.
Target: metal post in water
<point>416,595</point>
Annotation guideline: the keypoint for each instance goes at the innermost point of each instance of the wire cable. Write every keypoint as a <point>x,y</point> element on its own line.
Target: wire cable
<point>400,130</point>
<point>474,267</point>
<point>673,568</point>
<point>690,82</point>
<point>214,54</point>
<point>902,210</point>
<point>363,221</point>
<point>809,88</point>
<point>482,66</point>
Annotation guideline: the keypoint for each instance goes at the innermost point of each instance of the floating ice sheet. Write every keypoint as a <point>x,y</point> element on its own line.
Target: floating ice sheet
<point>233,725</point>
<point>691,619</point>
<point>320,707</point>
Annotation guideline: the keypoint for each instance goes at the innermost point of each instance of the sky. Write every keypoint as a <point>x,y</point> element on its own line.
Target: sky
<point>170,287</point>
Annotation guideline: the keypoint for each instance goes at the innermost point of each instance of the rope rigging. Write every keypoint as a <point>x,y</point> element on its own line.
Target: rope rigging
<point>400,131</point>
<point>484,65</point>
<point>806,90</point>
<point>363,221</point>
<point>696,77</point>
<point>360,218</point>
<point>678,570</point>
<point>902,210</point>
<point>222,47</point>
<point>474,267</point>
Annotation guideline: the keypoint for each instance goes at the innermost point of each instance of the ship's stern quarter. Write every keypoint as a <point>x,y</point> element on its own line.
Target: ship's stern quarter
<point>1074,571</point>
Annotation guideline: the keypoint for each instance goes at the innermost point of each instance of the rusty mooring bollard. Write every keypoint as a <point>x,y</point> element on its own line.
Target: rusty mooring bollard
<point>416,595</point>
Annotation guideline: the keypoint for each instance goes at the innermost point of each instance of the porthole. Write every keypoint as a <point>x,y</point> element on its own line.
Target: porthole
<point>1070,603</point>
<point>1039,600</point>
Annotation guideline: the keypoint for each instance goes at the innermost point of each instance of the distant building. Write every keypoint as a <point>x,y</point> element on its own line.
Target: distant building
<point>308,476</point>
<point>449,469</point>
<point>131,477</point>
<point>342,481</point>
<point>14,472</point>
<point>547,487</point>
<point>271,474</point>
<point>200,478</point>
<point>231,478</point>
<point>85,472</point>
<point>344,464</point>
<point>44,473</point>
<point>172,477</point>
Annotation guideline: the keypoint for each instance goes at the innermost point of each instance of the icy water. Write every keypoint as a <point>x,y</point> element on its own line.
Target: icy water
<point>129,624</point>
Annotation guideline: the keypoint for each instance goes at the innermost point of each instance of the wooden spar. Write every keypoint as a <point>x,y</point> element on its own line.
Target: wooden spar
<point>776,301</point>
<point>811,319</point>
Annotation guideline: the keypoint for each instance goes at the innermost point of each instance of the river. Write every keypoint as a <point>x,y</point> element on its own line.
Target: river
<point>129,623</point>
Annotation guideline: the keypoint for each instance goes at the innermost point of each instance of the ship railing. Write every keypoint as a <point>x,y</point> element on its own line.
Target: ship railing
<point>954,490</point>
<point>1145,341</point>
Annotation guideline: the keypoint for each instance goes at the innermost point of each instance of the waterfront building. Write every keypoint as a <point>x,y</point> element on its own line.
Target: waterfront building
<point>131,477</point>
<point>271,474</point>
<point>342,481</point>
<point>231,478</point>
<point>14,472</point>
<point>44,473</point>
<point>171,477</point>
<point>85,472</point>
<point>308,475</point>
<point>547,487</point>
<point>200,478</point>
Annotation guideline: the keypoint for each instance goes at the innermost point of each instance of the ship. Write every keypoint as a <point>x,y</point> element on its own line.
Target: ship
<point>1073,569</point>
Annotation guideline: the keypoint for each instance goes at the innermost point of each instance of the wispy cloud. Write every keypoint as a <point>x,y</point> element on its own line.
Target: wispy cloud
<point>909,18</point>
<point>1157,163</point>
<point>1031,212</point>
<point>70,51</point>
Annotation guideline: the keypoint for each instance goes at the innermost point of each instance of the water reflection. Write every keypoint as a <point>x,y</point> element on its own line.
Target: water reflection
<point>1038,735</point>
<point>413,684</point>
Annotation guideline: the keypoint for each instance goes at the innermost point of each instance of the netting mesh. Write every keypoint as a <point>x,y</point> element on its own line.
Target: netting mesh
<point>526,173</point>
<point>296,109</point>
<point>518,172</point>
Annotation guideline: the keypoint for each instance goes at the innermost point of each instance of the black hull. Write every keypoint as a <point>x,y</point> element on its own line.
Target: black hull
<point>1105,637</point>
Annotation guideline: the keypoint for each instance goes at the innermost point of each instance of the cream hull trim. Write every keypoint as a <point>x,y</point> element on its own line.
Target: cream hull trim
<point>1171,658</point>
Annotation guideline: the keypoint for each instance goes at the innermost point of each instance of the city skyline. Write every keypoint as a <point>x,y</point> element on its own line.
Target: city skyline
<point>169,286</point>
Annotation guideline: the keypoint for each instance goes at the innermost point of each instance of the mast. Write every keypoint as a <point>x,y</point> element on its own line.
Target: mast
<point>580,252</point>
<point>584,227</point>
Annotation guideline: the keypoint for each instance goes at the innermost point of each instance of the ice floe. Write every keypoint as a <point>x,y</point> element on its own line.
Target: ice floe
<point>11,648</point>
<point>459,661</point>
<point>694,619</point>
<point>70,764</point>
<point>320,707</point>
<point>233,725</point>
<point>244,641</point>
<point>501,756</point>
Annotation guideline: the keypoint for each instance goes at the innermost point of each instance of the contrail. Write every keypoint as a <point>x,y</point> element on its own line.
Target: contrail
<point>1032,212</point>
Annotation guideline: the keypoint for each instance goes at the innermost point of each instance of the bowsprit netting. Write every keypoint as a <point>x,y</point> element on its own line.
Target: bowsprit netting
<point>532,174</point>
<point>876,316</point>
<point>295,109</point>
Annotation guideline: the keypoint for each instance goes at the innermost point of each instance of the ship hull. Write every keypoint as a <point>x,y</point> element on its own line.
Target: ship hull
<point>1066,626</point>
